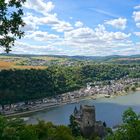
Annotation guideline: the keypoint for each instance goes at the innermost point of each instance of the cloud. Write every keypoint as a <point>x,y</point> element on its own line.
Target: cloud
<point>79,41</point>
<point>136,16</point>
<point>33,22</point>
<point>78,24</point>
<point>27,48</point>
<point>55,23</point>
<point>47,33</point>
<point>62,26</point>
<point>39,6</point>
<point>137,7</point>
<point>98,34</point>
<point>41,36</point>
<point>49,19</point>
<point>138,25</point>
<point>137,33</point>
<point>98,41</point>
<point>119,23</point>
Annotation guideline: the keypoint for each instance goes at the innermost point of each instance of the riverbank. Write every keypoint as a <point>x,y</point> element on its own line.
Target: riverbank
<point>115,88</point>
<point>41,108</point>
<point>22,114</point>
<point>109,110</point>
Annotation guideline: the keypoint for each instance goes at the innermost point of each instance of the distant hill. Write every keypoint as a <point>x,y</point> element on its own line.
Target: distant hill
<point>47,60</point>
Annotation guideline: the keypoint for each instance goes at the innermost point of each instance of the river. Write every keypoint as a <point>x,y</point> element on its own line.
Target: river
<point>107,109</point>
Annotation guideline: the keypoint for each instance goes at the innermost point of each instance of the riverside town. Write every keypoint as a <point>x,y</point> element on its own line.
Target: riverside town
<point>94,90</point>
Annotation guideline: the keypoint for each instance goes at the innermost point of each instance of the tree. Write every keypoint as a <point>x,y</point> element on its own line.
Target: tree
<point>130,129</point>
<point>126,89</point>
<point>10,22</point>
<point>28,133</point>
<point>133,88</point>
<point>16,129</point>
<point>74,126</point>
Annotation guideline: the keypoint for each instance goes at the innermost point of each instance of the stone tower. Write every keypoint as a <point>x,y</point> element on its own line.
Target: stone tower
<point>88,119</point>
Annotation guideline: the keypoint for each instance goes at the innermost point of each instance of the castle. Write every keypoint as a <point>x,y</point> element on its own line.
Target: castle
<point>86,120</point>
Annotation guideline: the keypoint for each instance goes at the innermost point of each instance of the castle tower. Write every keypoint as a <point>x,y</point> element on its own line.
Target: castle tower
<point>88,120</point>
<point>88,116</point>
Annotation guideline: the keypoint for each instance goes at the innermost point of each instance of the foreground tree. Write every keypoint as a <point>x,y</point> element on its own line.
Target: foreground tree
<point>130,129</point>
<point>15,129</point>
<point>74,126</point>
<point>10,22</point>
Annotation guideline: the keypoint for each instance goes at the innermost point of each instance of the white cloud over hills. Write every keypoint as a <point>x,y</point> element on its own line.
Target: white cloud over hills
<point>46,32</point>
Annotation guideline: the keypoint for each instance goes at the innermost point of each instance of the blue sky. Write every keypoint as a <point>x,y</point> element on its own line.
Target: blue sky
<point>81,27</point>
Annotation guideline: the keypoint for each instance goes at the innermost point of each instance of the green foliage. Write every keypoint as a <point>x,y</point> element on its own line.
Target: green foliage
<point>130,129</point>
<point>10,22</point>
<point>101,72</point>
<point>74,126</point>
<point>126,88</point>
<point>23,85</point>
<point>28,133</point>
<point>40,131</point>
<point>15,129</point>
<point>133,88</point>
<point>135,73</point>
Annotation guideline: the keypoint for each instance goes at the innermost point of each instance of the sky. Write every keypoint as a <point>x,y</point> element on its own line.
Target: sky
<point>80,27</point>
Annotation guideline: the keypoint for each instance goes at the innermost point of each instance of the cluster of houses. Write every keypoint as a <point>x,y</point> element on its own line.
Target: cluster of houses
<point>45,62</point>
<point>35,62</point>
<point>30,61</point>
<point>113,87</point>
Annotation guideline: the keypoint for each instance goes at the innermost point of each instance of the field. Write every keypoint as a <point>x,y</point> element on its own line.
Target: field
<point>12,65</point>
<point>10,62</point>
<point>43,62</point>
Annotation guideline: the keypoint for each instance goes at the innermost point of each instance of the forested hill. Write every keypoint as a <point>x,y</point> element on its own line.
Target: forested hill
<point>26,77</point>
<point>22,85</point>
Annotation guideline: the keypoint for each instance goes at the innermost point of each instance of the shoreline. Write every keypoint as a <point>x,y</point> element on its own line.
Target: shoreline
<point>93,97</point>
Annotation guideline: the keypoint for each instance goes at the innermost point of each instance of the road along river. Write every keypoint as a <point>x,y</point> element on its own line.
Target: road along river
<point>107,109</point>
